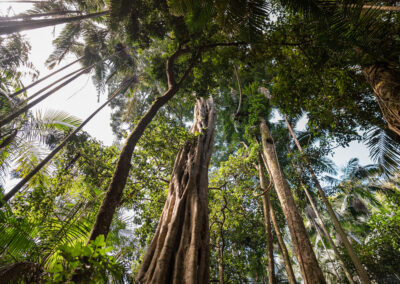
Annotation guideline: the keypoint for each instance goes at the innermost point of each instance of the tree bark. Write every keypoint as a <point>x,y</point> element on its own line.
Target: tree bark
<point>16,188</point>
<point>305,255</point>
<point>35,24</point>
<point>179,251</point>
<point>267,220</point>
<point>353,256</point>
<point>385,82</point>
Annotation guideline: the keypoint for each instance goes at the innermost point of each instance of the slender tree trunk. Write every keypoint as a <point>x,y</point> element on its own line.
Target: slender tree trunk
<point>220,251</point>
<point>267,220</point>
<point>305,255</point>
<point>318,230</point>
<point>382,8</point>
<point>353,256</point>
<point>20,111</point>
<point>328,237</point>
<point>282,246</point>
<point>113,195</point>
<point>37,15</point>
<point>9,139</point>
<point>179,251</point>
<point>16,188</point>
<point>44,78</point>
<point>385,82</point>
<point>35,24</point>
<point>77,73</point>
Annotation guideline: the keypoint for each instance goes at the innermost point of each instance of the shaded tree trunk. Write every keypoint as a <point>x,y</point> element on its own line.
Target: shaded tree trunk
<point>9,139</point>
<point>385,81</point>
<point>328,237</point>
<point>282,246</point>
<point>35,24</point>
<point>179,251</point>
<point>16,188</point>
<point>267,220</point>
<point>353,256</point>
<point>305,255</point>
<point>220,252</point>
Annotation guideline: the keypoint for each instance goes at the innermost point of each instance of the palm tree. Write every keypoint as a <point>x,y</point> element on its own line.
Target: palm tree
<point>76,74</point>
<point>17,26</point>
<point>124,85</point>
<point>357,263</point>
<point>31,137</point>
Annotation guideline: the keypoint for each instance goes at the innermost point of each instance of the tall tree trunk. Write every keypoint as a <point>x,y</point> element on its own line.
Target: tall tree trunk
<point>385,81</point>
<point>282,246</point>
<point>77,73</point>
<point>304,252</point>
<point>267,220</point>
<point>35,24</point>
<point>44,78</point>
<point>37,15</point>
<point>328,237</point>
<point>220,252</point>
<point>353,256</point>
<point>113,195</point>
<point>20,111</point>
<point>318,230</point>
<point>9,139</point>
<point>179,251</point>
<point>16,188</point>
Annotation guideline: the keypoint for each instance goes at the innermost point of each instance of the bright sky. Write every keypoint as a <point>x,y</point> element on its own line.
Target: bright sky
<point>79,98</point>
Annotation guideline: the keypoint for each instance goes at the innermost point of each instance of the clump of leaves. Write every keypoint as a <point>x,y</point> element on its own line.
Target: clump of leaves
<point>94,261</point>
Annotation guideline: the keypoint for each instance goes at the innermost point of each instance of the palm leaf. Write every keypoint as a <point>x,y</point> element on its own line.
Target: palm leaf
<point>384,149</point>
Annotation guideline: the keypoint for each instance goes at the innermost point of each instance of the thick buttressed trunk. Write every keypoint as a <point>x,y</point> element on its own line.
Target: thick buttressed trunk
<point>179,251</point>
<point>305,255</point>
<point>385,81</point>
<point>267,220</point>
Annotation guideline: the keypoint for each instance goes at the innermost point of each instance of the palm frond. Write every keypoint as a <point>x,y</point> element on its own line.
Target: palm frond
<point>384,149</point>
<point>64,43</point>
<point>56,120</point>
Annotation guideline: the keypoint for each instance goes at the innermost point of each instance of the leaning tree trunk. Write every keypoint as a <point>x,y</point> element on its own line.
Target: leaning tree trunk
<point>45,77</point>
<point>35,24</point>
<point>114,192</point>
<point>385,81</point>
<point>179,251</point>
<point>124,85</point>
<point>37,15</point>
<point>267,220</point>
<point>282,246</point>
<point>353,256</point>
<point>304,252</point>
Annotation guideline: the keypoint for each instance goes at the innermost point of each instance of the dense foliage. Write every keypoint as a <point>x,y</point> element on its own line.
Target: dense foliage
<point>316,65</point>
